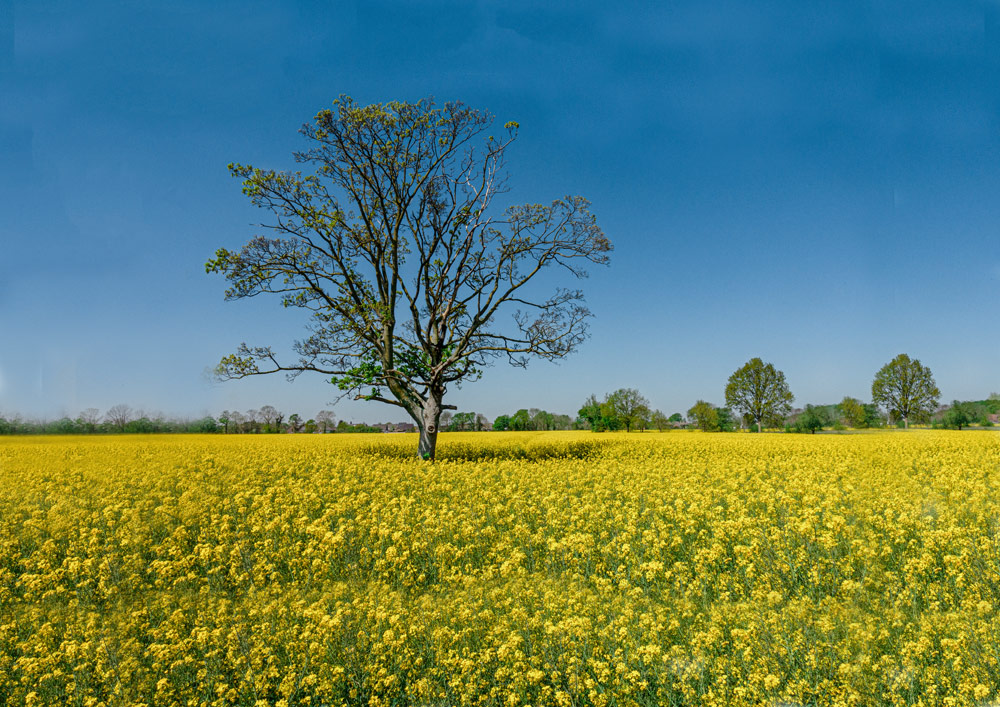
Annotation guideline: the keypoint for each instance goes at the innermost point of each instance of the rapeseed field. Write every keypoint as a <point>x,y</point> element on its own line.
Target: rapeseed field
<point>520,569</point>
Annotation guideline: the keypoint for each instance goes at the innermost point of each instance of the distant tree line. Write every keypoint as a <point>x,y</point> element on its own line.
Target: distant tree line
<point>120,419</point>
<point>709,418</point>
<point>527,419</point>
<point>463,422</point>
<point>625,409</point>
<point>963,414</point>
<point>269,420</point>
<point>757,397</point>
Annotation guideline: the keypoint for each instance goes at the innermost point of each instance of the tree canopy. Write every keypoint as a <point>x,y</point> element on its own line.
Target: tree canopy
<point>959,415</point>
<point>810,420</point>
<point>629,406</point>
<point>394,244</point>
<point>852,411</point>
<point>705,416</point>
<point>759,391</point>
<point>625,408</point>
<point>599,415</point>
<point>906,388</point>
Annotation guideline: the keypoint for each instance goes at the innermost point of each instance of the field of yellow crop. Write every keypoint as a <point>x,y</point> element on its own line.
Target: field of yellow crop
<point>521,568</point>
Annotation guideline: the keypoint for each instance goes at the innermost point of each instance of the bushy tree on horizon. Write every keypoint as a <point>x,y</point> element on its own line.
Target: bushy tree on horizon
<point>906,388</point>
<point>810,420</point>
<point>598,414</point>
<point>759,391</point>
<point>659,420</point>
<point>705,416</point>
<point>852,412</point>
<point>629,406</point>
<point>958,415</point>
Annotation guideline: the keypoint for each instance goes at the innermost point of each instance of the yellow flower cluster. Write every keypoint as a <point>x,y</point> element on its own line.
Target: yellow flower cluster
<point>520,569</point>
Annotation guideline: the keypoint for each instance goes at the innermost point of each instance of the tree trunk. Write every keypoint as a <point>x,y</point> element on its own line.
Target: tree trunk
<point>427,423</point>
<point>906,423</point>
<point>760,425</point>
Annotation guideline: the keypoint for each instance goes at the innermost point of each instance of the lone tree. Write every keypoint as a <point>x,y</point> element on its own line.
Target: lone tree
<point>759,391</point>
<point>394,245</point>
<point>906,388</point>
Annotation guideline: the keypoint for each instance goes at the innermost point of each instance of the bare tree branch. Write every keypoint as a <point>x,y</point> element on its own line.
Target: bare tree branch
<point>413,279</point>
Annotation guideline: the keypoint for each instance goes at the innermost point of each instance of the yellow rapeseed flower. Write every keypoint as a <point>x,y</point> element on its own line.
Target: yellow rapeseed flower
<point>521,568</point>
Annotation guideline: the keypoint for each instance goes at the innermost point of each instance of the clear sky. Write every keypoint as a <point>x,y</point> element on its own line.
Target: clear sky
<point>817,184</point>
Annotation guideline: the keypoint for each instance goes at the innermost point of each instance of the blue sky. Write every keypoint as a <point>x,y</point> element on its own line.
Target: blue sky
<point>815,184</point>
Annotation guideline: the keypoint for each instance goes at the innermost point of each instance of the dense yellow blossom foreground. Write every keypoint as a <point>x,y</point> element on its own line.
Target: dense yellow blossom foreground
<point>535,568</point>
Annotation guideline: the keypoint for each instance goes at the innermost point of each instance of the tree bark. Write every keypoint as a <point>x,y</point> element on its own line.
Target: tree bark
<point>427,423</point>
<point>760,425</point>
<point>906,423</point>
